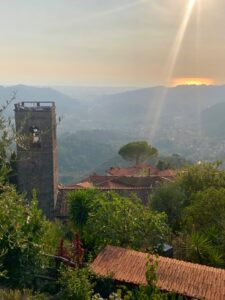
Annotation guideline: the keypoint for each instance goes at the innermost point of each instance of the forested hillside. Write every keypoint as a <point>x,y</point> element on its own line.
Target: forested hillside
<point>187,120</point>
<point>213,121</point>
<point>85,152</point>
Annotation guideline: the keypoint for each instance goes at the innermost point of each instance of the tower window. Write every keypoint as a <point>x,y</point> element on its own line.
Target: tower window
<point>35,136</point>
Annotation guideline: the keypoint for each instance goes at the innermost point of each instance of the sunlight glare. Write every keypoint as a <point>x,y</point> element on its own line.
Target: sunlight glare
<point>172,62</point>
<point>179,38</point>
<point>192,81</point>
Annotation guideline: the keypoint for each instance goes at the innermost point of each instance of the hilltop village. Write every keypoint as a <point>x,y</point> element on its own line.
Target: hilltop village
<point>134,233</point>
<point>37,164</point>
<point>112,150</point>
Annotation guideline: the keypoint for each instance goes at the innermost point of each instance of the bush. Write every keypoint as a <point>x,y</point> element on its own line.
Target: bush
<point>75,284</point>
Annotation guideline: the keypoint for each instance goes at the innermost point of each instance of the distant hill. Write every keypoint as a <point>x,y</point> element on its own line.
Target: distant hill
<point>213,121</point>
<point>187,120</point>
<point>30,93</point>
<point>87,93</point>
<point>130,111</point>
<point>89,151</point>
<point>69,109</point>
<point>140,106</point>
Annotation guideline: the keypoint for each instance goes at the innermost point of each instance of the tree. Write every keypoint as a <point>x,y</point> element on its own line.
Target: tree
<point>80,205</point>
<point>169,198</point>
<point>116,220</point>
<point>23,233</point>
<point>7,294</point>
<point>207,209</point>
<point>75,283</point>
<point>163,165</point>
<point>200,249</point>
<point>200,177</point>
<point>137,152</point>
<point>195,206</point>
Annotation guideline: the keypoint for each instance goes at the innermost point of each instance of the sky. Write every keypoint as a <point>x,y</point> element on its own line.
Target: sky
<point>112,42</point>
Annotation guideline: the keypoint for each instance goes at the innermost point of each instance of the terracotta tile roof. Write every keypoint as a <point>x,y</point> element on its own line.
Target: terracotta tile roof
<point>138,170</point>
<point>167,173</point>
<point>117,182</point>
<point>142,186</point>
<point>84,184</point>
<point>192,280</point>
<point>113,185</point>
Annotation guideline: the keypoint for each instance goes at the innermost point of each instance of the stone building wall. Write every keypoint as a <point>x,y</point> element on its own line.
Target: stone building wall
<point>37,152</point>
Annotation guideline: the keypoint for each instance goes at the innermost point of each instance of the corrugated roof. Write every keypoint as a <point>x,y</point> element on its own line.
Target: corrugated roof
<point>192,280</point>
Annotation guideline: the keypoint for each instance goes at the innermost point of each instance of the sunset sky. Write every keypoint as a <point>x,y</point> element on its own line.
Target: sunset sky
<point>112,42</point>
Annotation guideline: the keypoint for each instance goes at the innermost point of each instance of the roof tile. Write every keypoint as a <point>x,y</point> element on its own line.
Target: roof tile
<point>182,277</point>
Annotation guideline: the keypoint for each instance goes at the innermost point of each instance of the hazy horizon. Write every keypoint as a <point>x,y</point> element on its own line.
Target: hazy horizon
<point>108,43</point>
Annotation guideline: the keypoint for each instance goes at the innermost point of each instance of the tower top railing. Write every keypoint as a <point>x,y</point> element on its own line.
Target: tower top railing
<point>35,106</point>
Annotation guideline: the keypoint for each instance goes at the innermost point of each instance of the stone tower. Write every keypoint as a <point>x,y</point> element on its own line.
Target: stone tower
<point>37,152</point>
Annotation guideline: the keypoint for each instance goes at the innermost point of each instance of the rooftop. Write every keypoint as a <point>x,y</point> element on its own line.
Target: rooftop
<point>138,170</point>
<point>118,182</point>
<point>185,278</point>
<point>34,106</point>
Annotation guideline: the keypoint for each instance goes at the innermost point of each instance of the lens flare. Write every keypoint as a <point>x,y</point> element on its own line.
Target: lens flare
<point>172,62</point>
<point>179,39</point>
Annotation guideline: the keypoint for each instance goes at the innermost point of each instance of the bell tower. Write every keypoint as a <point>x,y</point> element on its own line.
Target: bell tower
<point>37,152</point>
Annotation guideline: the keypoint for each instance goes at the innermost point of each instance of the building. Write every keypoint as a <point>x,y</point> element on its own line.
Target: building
<point>137,170</point>
<point>37,164</point>
<point>141,186</point>
<point>37,152</point>
<point>184,278</point>
<point>141,170</point>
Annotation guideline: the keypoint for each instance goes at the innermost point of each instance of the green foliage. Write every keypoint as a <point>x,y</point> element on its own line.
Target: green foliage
<point>2,271</point>
<point>163,165</point>
<point>104,286</point>
<point>169,198</point>
<point>201,250</point>
<point>195,206</point>
<point>206,209</point>
<point>88,150</point>
<point>116,220</point>
<point>5,141</point>
<point>150,291</point>
<point>22,234</point>
<point>137,152</point>
<point>75,284</point>
<point>204,221</point>
<point>200,177</point>
<point>174,161</point>
<point>80,205</point>
<point>20,295</point>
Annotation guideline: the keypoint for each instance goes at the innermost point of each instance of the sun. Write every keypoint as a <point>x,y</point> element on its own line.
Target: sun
<point>192,2</point>
<point>193,81</point>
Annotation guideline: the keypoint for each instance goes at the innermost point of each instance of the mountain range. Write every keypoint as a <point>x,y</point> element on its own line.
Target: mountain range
<point>188,120</point>
<point>133,109</point>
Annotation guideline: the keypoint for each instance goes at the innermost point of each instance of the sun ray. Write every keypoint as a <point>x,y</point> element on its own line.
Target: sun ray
<point>179,39</point>
<point>172,62</point>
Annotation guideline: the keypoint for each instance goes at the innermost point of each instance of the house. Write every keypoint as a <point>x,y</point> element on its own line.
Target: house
<point>184,278</point>
<point>140,170</point>
<point>141,186</point>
